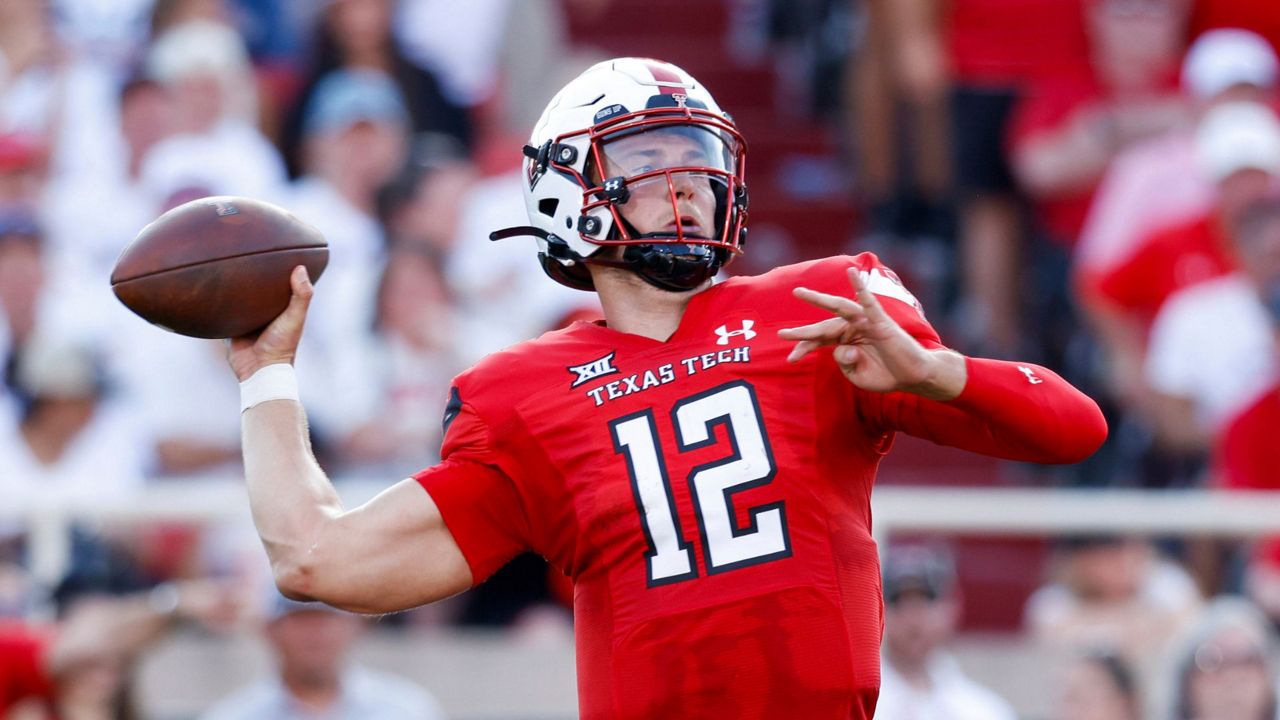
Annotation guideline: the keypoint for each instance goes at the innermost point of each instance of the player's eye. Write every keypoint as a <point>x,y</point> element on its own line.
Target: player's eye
<point>642,169</point>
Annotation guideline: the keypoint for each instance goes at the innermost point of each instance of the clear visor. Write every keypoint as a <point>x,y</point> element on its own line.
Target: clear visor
<point>667,147</point>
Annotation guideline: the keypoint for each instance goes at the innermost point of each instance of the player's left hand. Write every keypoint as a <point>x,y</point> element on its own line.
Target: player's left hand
<point>872,349</point>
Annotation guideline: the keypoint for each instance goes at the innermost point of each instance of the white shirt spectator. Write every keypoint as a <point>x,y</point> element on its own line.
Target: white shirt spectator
<point>1212,343</point>
<point>231,159</point>
<point>183,391</point>
<point>105,460</point>
<point>1152,185</point>
<point>951,696</point>
<point>504,297</point>
<point>334,367</point>
<point>366,695</point>
<point>460,42</point>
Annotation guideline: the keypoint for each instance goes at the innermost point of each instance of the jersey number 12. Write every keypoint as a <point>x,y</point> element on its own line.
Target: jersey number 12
<point>725,545</point>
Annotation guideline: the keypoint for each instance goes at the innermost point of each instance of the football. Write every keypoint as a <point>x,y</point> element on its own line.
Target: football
<point>217,267</point>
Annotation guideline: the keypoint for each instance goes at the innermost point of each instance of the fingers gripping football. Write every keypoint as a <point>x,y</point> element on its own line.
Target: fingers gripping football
<point>278,342</point>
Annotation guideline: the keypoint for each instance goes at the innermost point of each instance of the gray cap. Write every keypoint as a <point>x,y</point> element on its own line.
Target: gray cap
<point>923,569</point>
<point>344,98</point>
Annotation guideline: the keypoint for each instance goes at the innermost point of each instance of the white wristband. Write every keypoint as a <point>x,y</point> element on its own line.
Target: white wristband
<point>273,382</point>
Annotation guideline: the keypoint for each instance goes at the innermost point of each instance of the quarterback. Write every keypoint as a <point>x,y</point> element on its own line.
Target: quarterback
<point>700,464</point>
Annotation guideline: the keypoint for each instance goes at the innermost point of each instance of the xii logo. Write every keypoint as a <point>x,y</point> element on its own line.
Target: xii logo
<point>589,371</point>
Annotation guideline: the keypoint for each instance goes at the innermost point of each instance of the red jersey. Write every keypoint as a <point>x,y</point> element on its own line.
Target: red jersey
<point>22,673</point>
<point>1172,259</point>
<point>710,500</point>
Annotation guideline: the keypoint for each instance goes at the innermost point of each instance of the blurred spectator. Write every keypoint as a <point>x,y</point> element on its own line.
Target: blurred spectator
<point>1067,132</point>
<point>357,35</point>
<point>897,84</point>
<point>1246,456</point>
<point>1225,666</point>
<point>189,407</point>
<point>416,361</point>
<point>1161,182</point>
<point>108,33</point>
<point>50,92</point>
<point>1064,134</point>
<point>919,680</point>
<point>22,284</point>
<point>1112,593</point>
<point>1099,686</point>
<point>1000,51</point>
<point>356,133</point>
<point>21,169</point>
<point>82,667</point>
<point>422,205</point>
<point>311,643</point>
<point>73,440</point>
<point>91,218</point>
<point>218,148</point>
<point>1212,346</point>
<point>1259,16</point>
<point>169,14</point>
<point>502,295</point>
<point>1238,144</point>
<point>460,43</point>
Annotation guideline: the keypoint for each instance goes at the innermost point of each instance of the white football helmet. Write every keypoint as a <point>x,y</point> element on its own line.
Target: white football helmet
<point>635,153</point>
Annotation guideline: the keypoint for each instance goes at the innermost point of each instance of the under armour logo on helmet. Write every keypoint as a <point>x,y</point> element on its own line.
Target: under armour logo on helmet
<point>746,332</point>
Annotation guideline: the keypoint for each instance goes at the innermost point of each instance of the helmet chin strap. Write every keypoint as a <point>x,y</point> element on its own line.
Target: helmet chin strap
<point>674,267</point>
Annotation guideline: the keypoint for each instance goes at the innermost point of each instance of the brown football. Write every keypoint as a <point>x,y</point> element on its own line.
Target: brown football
<point>217,267</point>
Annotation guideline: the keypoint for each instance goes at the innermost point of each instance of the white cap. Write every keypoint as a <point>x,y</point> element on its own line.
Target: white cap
<point>1221,59</point>
<point>198,47</point>
<point>1237,136</point>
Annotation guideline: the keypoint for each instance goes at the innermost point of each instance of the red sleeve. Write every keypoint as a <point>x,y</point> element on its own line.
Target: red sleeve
<point>22,671</point>
<point>477,496</point>
<point>1015,411</point>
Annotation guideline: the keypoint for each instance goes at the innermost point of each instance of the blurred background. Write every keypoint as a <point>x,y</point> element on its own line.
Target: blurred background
<point>1093,185</point>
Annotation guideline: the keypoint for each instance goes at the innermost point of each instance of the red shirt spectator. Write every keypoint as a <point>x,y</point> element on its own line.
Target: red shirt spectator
<point>1246,456</point>
<point>22,671</point>
<point>1170,260</point>
<point>1051,106</point>
<point>1003,43</point>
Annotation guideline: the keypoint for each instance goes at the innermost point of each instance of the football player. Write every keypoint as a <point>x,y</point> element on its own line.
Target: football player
<point>700,464</point>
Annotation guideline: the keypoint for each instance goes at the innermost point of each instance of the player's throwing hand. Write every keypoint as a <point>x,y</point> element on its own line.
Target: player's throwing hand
<point>873,351</point>
<point>278,342</point>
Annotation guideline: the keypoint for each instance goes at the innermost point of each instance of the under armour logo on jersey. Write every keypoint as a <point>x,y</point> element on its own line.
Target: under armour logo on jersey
<point>1031,376</point>
<point>746,332</point>
<point>587,372</point>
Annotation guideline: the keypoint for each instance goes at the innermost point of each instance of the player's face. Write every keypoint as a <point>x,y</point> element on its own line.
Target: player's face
<point>650,208</point>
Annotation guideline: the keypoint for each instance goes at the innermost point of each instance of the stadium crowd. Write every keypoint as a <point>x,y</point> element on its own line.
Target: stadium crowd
<point>1093,184</point>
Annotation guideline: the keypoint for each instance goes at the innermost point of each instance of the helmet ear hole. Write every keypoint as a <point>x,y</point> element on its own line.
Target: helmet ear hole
<point>548,206</point>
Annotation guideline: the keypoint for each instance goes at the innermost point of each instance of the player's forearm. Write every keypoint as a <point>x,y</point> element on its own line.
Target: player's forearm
<point>1016,411</point>
<point>1022,411</point>
<point>292,500</point>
